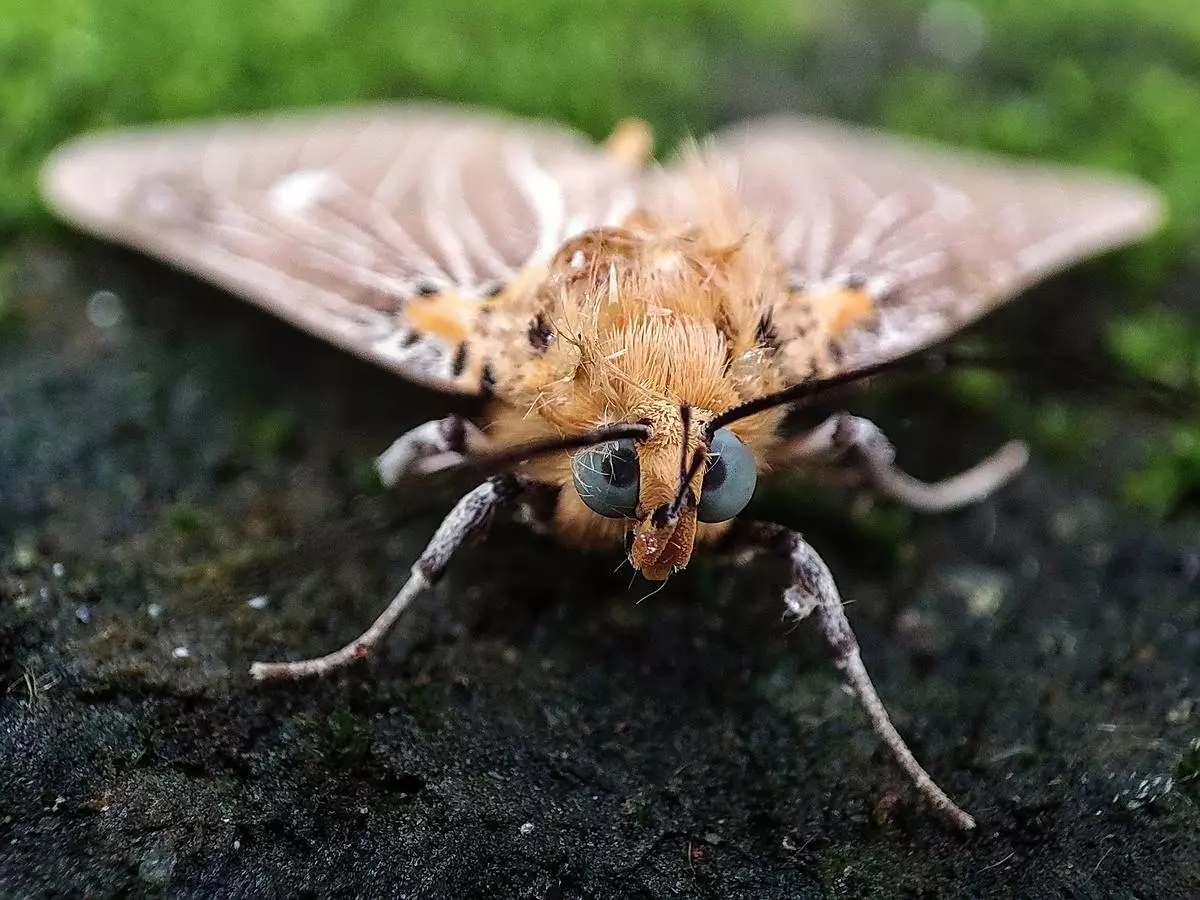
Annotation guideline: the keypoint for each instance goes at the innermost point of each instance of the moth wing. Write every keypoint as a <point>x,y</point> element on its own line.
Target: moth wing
<point>937,237</point>
<point>336,221</point>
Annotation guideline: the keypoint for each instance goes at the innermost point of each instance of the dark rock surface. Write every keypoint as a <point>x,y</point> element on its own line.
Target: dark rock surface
<point>537,727</point>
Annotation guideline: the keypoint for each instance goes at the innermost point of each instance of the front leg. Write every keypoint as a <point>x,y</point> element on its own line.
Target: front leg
<point>843,433</point>
<point>470,515</point>
<point>429,447</point>
<point>813,591</point>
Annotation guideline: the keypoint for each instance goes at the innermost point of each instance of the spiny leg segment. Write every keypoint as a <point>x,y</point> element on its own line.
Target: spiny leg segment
<point>470,515</point>
<point>843,433</point>
<point>429,447</point>
<point>813,591</point>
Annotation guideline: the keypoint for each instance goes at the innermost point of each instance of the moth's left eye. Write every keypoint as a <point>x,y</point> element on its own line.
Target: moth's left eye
<point>729,480</point>
<point>607,478</point>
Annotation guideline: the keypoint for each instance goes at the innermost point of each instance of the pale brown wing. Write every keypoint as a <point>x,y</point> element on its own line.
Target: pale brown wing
<point>937,236</point>
<point>334,221</point>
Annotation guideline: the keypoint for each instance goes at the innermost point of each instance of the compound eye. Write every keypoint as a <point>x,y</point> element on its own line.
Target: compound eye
<point>729,480</point>
<point>607,478</point>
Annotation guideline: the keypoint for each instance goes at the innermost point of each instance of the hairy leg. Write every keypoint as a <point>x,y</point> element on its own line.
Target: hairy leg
<point>429,447</point>
<point>470,515</point>
<point>843,433</point>
<point>813,592</point>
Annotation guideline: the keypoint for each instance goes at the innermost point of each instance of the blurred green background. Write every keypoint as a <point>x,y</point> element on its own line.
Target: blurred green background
<point>1109,83</point>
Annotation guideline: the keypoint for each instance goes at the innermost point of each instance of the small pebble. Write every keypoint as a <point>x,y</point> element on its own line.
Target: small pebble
<point>154,610</point>
<point>105,309</point>
<point>181,653</point>
<point>259,602</point>
<point>84,614</point>
<point>527,828</point>
<point>24,556</point>
<point>59,570</point>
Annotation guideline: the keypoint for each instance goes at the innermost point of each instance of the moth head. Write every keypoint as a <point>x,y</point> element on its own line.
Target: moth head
<point>667,485</point>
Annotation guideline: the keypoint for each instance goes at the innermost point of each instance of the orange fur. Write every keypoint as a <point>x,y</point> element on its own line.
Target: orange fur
<point>448,316</point>
<point>641,319</point>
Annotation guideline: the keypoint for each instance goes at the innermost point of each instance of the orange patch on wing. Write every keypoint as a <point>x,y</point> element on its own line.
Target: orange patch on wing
<point>848,307</point>
<point>447,316</point>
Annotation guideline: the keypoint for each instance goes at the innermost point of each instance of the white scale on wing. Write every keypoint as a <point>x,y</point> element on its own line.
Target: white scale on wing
<point>295,193</point>
<point>820,231</point>
<point>387,198</point>
<point>472,229</point>
<point>428,356</point>
<point>347,252</point>
<point>545,197</point>
<point>878,222</point>
<point>435,192</point>
<point>623,203</point>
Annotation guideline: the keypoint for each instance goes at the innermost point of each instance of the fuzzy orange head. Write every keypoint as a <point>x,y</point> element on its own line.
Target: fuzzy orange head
<point>659,325</point>
<point>643,483</point>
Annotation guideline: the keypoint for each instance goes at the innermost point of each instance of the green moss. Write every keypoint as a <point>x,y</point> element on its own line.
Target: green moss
<point>348,738</point>
<point>1110,84</point>
<point>270,434</point>
<point>1038,82</point>
<point>71,65</point>
<point>185,519</point>
<point>11,320</point>
<point>1169,476</point>
<point>1161,345</point>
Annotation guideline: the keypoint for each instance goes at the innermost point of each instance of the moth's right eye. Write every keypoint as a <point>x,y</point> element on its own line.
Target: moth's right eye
<point>607,478</point>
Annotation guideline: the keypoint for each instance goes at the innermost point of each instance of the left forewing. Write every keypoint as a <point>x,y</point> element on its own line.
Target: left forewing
<point>379,229</point>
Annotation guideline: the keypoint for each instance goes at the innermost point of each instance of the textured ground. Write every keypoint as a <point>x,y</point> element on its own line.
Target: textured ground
<point>532,729</point>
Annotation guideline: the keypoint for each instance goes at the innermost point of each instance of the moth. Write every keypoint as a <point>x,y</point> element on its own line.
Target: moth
<point>639,330</point>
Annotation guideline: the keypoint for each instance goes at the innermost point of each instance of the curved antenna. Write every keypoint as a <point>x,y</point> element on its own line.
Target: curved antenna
<point>499,460</point>
<point>1167,397</point>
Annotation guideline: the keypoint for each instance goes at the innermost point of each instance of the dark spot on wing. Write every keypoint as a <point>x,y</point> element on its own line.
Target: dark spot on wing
<point>765,335</point>
<point>540,333</point>
<point>459,362</point>
<point>487,381</point>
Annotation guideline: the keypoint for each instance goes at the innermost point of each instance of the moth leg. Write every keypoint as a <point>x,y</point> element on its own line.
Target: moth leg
<point>813,591</point>
<point>844,433</point>
<point>429,447</point>
<point>469,516</point>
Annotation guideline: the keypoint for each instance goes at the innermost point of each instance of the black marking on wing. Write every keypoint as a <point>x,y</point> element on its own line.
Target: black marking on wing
<point>459,361</point>
<point>765,335</point>
<point>540,333</point>
<point>487,381</point>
